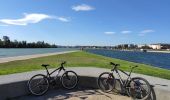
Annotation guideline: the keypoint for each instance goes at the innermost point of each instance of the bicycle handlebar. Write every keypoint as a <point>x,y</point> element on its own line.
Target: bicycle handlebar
<point>135,66</point>
<point>64,62</point>
<point>115,65</point>
<point>111,63</point>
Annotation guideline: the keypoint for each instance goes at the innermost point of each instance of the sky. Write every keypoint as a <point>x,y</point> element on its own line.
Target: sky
<point>86,22</point>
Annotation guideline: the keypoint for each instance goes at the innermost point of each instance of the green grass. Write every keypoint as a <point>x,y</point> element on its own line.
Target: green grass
<point>77,59</point>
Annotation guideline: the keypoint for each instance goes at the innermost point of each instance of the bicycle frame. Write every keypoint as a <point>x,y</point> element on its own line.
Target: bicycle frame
<point>124,84</point>
<point>58,69</point>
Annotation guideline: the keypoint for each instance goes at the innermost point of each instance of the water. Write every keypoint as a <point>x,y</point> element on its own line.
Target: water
<point>161,60</point>
<point>31,51</point>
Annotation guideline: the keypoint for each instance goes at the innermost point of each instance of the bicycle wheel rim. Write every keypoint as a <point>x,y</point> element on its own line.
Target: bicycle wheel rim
<point>38,84</point>
<point>69,80</point>
<point>106,82</point>
<point>139,89</point>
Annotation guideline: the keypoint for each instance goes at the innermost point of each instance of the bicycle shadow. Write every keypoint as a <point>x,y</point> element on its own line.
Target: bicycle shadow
<point>62,94</point>
<point>77,94</point>
<point>83,94</point>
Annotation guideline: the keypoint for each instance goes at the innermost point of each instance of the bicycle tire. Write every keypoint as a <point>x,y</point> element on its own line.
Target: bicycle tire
<point>42,81</point>
<point>67,78</point>
<point>135,87</point>
<point>108,81</point>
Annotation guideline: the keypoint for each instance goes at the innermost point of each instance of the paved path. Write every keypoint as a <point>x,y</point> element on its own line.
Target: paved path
<point>159,83</point>
<point>88,94</point>
<point>8,59</point>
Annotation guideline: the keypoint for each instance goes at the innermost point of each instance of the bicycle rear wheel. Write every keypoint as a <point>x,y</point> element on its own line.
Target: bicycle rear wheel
<point>106,82</point>
<point>139,88</point>
<point>38,84</point>
<point>69,80</point>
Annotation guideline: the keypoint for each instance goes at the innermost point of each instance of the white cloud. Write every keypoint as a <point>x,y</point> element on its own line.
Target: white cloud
<point>28,18</point>
<point>144,32</point>
<point>147,31</point>
<point>109,33</point>
<point>82,7</point>
<point>126,32</point>
<point>63,19</point>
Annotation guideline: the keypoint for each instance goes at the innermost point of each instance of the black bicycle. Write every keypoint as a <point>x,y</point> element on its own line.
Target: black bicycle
<point>39,84</point>
<point>138,88</point>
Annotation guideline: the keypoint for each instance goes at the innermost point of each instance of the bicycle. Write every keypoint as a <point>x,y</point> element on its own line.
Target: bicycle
<point>138,88</point>
<point>39,84</point>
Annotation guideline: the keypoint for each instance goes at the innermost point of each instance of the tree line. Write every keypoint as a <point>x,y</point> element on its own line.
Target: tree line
<point>5,42</point>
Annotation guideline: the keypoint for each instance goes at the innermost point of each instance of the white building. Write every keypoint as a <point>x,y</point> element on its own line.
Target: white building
<point>155,46</point>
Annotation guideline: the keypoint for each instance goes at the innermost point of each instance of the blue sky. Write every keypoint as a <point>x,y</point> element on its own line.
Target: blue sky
<point>86,22</point>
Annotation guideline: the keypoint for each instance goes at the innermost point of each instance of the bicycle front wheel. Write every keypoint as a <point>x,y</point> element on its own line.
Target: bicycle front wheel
<point>38,84</point>
<point>106,82</point>
<point>69,80</point>
<point>139,88</point>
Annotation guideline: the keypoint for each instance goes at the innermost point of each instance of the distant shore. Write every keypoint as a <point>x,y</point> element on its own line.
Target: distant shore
<point>158,51</point>
<point>8,59</point>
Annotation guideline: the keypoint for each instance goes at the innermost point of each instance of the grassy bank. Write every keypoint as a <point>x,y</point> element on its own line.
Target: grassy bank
<point>79,59</point>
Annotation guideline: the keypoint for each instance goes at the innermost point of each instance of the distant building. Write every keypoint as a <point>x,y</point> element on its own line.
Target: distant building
<point>155,46</point>
<point>160,46</point>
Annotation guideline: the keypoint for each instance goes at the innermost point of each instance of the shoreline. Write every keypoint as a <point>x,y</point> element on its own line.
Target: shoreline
<point>158,51</point>
<point>25,57</point>
<point>154,51</point>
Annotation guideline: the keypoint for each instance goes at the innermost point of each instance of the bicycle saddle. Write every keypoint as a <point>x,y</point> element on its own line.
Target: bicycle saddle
<point>45,65</point>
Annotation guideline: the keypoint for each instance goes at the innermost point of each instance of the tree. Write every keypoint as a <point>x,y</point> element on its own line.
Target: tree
<point>1,43</point>
<point>132,46</point>
<point>6,41</point>
<point>146,47</point>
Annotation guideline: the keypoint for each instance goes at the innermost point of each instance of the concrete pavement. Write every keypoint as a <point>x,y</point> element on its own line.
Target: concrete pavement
<point>78,94</point>
<point>159,83</point>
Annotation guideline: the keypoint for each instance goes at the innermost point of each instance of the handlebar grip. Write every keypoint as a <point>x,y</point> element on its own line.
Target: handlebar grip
<point>111,63</point>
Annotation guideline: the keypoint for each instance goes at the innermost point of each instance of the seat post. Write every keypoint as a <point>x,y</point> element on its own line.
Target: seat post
<point>47,71</point>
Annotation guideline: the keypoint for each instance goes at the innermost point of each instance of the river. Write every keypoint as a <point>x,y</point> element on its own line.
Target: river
<point>156,59</point>
<point>12,52</point>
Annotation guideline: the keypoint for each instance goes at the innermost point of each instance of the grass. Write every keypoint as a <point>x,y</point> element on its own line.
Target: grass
<point>78,59</point>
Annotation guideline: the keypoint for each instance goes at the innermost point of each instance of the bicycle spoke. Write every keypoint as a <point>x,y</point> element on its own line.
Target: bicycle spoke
<point>140,87</point>
<point>106,82</point>
<point>69,79</point>
<point>38,84</point>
